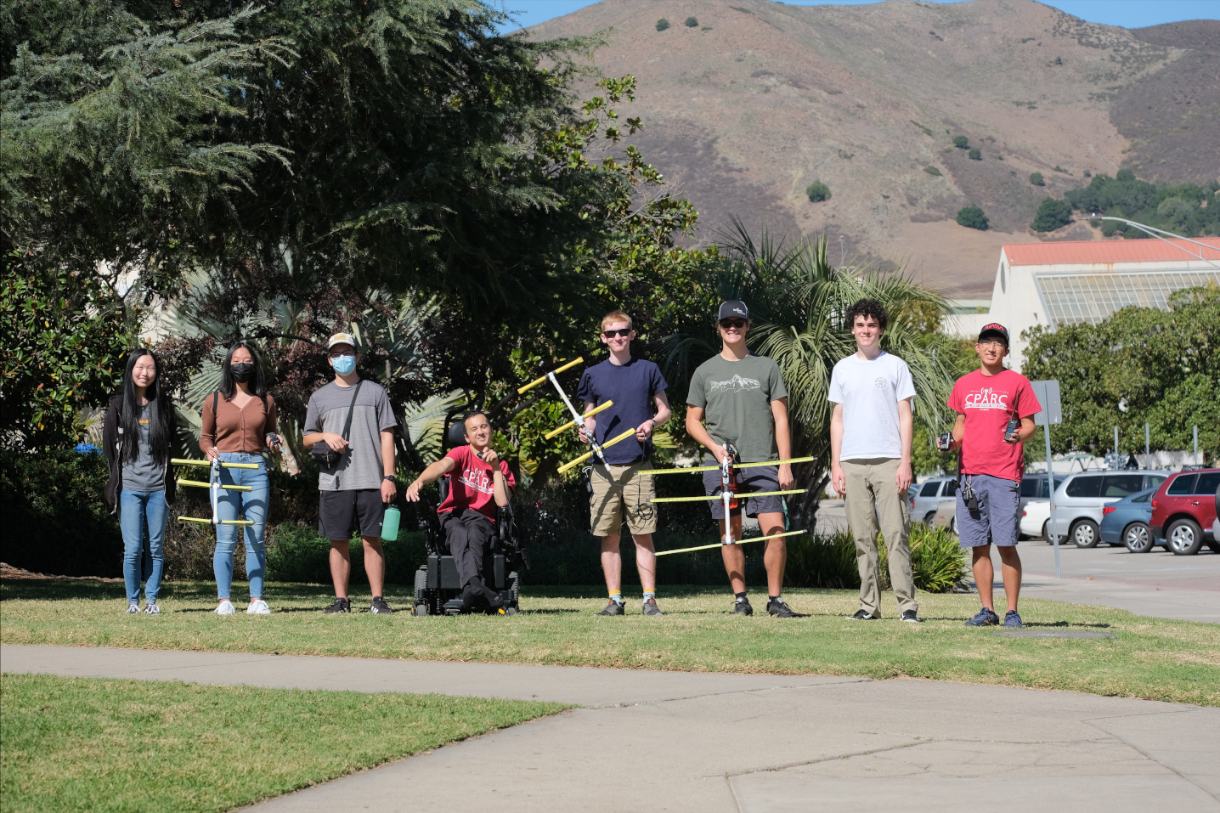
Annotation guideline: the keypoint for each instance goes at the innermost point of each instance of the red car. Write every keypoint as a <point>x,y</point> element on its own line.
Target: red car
<point>1184,511</point>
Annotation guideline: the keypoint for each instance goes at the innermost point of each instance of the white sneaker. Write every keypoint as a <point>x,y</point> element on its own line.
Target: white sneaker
<point>225,608</point>
<point>258,607</point>
<point>133,608</point>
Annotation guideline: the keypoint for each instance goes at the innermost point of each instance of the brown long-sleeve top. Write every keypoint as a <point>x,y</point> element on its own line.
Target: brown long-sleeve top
<point>236,430</point>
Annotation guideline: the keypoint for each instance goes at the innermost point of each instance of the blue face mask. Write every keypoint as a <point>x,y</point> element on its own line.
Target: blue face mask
<point>344,364</point>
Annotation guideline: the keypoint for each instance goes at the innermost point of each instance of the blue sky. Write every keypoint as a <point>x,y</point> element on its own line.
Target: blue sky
<point>1127,13</point>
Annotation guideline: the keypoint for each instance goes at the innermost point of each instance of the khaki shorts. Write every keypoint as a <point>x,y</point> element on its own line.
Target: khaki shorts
<point>622,488</point>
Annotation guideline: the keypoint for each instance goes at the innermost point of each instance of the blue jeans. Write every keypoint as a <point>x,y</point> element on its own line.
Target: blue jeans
<point>253,506</point>
<point>135,507</point>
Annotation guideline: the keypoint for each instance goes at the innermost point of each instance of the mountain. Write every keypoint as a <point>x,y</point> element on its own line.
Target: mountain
<point>759,99</point>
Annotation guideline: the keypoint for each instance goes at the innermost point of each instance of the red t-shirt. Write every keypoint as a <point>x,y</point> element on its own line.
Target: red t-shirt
<point>471,484</point>
<point>988,401</point>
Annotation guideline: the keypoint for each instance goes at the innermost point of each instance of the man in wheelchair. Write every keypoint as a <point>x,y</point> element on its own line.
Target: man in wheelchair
<point>480,482</point>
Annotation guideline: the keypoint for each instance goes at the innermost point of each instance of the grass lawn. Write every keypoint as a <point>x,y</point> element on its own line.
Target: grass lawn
<point>131,745</point>
<point>1150,658</point>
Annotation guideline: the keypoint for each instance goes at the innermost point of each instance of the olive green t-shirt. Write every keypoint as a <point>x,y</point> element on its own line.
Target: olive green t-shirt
<point>736,399</point>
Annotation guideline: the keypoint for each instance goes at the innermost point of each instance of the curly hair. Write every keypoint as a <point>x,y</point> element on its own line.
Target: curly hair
<point>867,307</point>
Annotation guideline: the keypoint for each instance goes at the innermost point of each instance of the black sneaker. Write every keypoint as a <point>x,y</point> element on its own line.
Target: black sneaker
<point>1012,621</point>
<point>911,617</point>
<point>613,608</point>
<point>985,618</point>
<point>341,605</point>
<point>379,607</point>
<point>779,608</point>
<point>651,608</point>
<point>861,615</point>
<point>743,607</point>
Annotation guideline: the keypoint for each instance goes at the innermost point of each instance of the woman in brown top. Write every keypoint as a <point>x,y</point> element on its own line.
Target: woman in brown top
<point>238,422</point>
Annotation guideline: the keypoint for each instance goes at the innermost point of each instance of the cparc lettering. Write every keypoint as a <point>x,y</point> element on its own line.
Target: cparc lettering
<point>986,399</point>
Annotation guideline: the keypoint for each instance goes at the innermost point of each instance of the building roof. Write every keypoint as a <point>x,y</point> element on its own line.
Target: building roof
<point>1104,252</point>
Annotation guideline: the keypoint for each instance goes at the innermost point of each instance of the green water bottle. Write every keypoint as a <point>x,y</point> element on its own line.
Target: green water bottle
<point>389,524</point>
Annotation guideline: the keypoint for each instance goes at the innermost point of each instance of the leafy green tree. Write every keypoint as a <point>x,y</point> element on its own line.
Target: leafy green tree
<point>972,217</point>
<point>796,303</point>
<point>1186,209</point>
<point>1036,179</point>
<point>975,154</point>
<point>818,192</point>
<point>63,347</point>
<point>691,22</point>
<point>1052,214</point>
<point>662,24</point>
<point>1142,365</point>
<point>961,142</point>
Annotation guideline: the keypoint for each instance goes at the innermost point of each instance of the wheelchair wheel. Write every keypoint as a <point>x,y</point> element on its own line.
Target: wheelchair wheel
<point>421,584</point>
<point>514,587</point>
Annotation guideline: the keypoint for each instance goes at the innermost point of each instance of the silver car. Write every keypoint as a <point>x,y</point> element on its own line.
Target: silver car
<point>1079,498</point>
<point>926,496</point>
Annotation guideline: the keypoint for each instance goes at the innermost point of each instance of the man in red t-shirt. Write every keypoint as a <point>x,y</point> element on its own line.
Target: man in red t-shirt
<point>995,408</point>
<point>467,514</point>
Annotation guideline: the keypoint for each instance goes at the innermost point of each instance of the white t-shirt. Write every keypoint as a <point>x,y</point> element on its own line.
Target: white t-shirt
<point>869,392</point>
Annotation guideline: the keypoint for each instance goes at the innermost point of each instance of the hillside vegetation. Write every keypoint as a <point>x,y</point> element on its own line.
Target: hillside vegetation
<point>746,111</point>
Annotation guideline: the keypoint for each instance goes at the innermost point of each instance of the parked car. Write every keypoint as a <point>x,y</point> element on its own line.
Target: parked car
<point>1036,487</point>
<point>1034,517</point>
<point>946,514</point>
<point>1184,511</point>
<point>1079,499</point>
<point>1129,522</point>
<point>1034,491</point>
<point>925,497</point>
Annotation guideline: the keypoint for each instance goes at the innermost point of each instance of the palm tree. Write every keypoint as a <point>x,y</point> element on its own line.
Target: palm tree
<point>797,301</point>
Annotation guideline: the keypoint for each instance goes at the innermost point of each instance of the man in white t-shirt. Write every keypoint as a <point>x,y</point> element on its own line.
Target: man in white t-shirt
<point>870,457</point>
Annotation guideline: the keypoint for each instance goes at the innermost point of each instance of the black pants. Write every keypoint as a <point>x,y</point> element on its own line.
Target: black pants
<point>468,536</point>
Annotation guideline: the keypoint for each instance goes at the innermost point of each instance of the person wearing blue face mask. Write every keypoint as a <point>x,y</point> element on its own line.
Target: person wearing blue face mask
<point>352,418</point>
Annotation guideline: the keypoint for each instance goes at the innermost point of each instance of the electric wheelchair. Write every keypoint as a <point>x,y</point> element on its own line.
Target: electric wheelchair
<point>437,591</point>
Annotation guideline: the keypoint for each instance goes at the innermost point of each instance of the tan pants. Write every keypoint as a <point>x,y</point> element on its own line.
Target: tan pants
<point>872,494</point>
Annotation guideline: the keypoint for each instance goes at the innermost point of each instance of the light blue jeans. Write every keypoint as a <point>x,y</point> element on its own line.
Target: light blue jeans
<point>136,507</point>
<point>252,505</point>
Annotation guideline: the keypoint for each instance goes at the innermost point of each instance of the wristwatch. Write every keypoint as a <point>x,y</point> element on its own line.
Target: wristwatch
<point>389,477</point>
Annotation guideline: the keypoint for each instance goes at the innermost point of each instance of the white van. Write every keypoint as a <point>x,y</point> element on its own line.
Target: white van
<point>1078,501</point>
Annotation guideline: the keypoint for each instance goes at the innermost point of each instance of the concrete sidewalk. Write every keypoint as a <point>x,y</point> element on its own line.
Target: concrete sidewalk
<point>709,742</point>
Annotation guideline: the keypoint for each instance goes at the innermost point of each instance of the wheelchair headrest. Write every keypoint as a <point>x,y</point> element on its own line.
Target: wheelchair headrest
<point>456,435</point>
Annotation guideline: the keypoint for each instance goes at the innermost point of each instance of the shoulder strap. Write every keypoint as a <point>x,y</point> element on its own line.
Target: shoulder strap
<point>347,427</point>
<point>216,405</point>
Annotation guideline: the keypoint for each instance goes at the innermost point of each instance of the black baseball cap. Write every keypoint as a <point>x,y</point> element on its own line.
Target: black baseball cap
<point>994,329</point>
<point>734,308</point>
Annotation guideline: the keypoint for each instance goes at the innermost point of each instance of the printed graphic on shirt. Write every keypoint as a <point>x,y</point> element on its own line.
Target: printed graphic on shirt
<point>478,480</point>
<point>736,383</point>
<point>986,398</point>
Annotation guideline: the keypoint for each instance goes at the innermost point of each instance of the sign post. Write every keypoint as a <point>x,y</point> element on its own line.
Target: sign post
<point>1047,393</point>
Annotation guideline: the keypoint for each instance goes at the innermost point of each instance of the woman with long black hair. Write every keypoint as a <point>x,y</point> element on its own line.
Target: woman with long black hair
<point>238,423</point>
<point>136,439</point>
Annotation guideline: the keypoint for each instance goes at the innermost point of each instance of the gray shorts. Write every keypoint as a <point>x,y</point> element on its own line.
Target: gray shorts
<point>998,519</point>
<point>758,478</point>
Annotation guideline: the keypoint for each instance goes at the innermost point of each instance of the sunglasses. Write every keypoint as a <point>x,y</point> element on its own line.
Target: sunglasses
<point>737,323</point>
<point>623,331</point>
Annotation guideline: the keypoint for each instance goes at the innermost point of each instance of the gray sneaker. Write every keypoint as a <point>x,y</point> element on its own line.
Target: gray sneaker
<point>151,608</point>
<point>911,617</point>
<point>612,608</point>
<point>651,608</point>
<point>1012,621</point>
<point>984,618</point>
<point>133,608</point>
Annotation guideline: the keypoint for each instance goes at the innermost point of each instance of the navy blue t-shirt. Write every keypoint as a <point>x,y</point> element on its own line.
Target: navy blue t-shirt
<point>632,387</point>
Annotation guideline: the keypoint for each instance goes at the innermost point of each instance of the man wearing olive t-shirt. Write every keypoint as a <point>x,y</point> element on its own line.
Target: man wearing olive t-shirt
<point>987,402</point>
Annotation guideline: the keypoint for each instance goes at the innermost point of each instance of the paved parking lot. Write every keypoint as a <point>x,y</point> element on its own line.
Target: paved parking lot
<point>1156,583</point>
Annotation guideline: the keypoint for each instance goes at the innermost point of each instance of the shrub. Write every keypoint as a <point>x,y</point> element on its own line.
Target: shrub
<point>691,22</point>
<point>933,171</point>
<point>1052,214</point>
<point>295,553</point>
<point>975,154</point>
<point>818,191</point>
<point>938,562</point>
<point>55,520</point>
<point>961,142</point>
<point>662,24</point>
<point>1124,175</point>
<point>1036,179</point>
<point>972,217</point>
